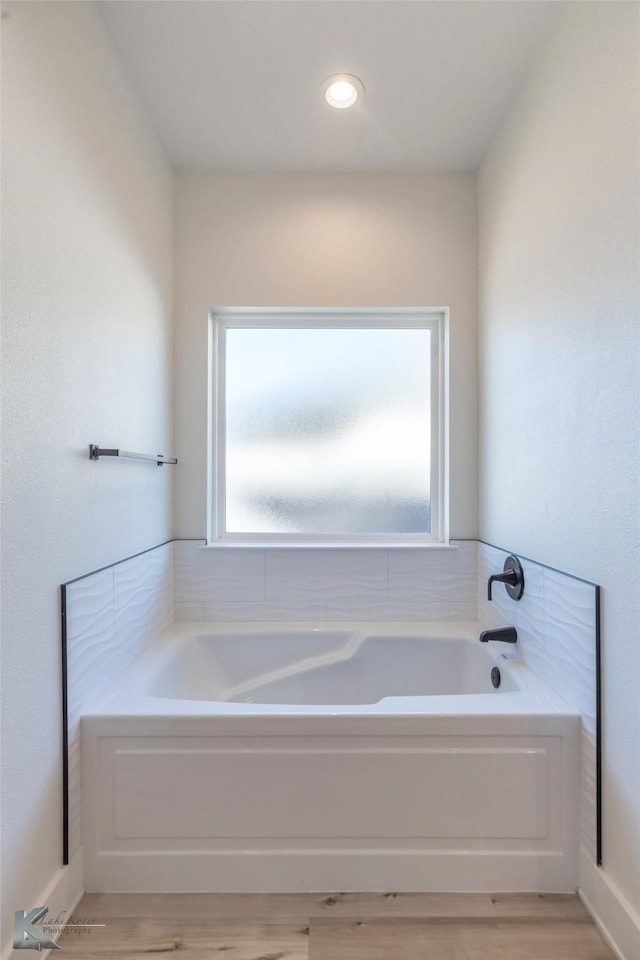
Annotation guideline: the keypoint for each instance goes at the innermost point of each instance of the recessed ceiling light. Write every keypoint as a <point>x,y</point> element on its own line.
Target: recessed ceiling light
<point>342,90</point>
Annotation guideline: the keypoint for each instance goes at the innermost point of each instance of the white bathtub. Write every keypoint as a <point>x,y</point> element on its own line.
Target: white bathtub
<point>320,667</point>
<point>291,757</point>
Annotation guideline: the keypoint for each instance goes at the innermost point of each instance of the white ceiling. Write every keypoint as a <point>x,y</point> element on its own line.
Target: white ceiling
<point>233,84</point>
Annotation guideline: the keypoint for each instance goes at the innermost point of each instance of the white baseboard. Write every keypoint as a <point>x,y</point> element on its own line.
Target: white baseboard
<point>61,897</point>
<point>615,917</point>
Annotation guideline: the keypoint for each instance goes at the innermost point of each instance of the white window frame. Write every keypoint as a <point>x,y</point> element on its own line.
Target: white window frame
<point>435,319</point>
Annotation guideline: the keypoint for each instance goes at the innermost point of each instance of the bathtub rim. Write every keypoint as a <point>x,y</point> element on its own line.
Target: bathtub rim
<point>126,697</point>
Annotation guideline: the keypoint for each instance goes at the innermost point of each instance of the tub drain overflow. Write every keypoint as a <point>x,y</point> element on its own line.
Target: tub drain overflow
<point>496,679</point>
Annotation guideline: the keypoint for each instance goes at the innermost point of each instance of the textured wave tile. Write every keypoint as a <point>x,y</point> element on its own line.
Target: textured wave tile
<point>588,793</point>
<point>490,556</point>
<point>489,560</point>
<point>434,575</point>
<point>354,609</point>
<point>188,611</point>
<point>75,798</point>
<point>528,613</point>
<point>185,549</point>
<point>88,603</point>
<point>572,679</point>
<point>326,574</point>
<point>570,639</point>
<point>143,603</point>
<point>539,663</point>
<point>272,610</point>
<point>224,574</point>
<point>162,580</point>
<point>91,667</point>
<point>91,663</point>
<point>111,616</point>
<point>463,611</point>
<point>496,613</point>
<point>570,601</point>
<point>570,629</point>
<point>556,629</point>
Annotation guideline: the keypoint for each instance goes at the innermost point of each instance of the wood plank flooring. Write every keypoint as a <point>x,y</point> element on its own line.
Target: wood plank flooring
<point>457,940</point>
<point>336,926</point>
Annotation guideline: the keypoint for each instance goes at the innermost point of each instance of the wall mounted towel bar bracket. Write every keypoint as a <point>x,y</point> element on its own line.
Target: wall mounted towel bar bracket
<point>95,452</point>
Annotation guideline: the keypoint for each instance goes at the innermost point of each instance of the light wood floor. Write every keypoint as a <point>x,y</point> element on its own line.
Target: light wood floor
<point>338,926</point>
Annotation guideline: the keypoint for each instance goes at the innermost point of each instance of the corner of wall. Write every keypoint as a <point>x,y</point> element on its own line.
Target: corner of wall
<point>613,914</point>
<point>61,897</point>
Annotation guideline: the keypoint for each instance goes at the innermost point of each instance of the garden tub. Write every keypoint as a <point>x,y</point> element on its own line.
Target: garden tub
<point>310,757</point>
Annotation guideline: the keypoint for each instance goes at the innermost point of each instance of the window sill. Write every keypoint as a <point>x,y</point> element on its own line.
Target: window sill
<point>324,545</point>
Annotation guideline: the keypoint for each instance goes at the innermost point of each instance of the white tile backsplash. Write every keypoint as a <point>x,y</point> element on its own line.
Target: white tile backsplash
<point>434,575</point>
<point>570,628</point>
<point>333,584</point>
<point>569,599</point>
<point>556,624</point>
<point>110,617</point>
<point>323,574</point>
<point>526,614</point>
<point>226,574</point>
<point>188,611</point>
<point>114,614</point>
<point>265,610</point>
<point>91,663</point>
<point>588,793</point>
<point>464,610</point>
<point>75,797</point>
<point>353,608</point>
<point>143,608</point>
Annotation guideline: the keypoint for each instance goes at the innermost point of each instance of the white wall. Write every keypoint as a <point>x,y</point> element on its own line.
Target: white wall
<point>87,223</point>
<point>560,362</point>
<point>322,240</point>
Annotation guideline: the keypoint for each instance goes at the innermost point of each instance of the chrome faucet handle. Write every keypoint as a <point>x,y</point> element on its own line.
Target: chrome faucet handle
<point>512,576</point>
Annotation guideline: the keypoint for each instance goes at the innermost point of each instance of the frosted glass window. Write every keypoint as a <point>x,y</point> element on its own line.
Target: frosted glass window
<point>327,431</point>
